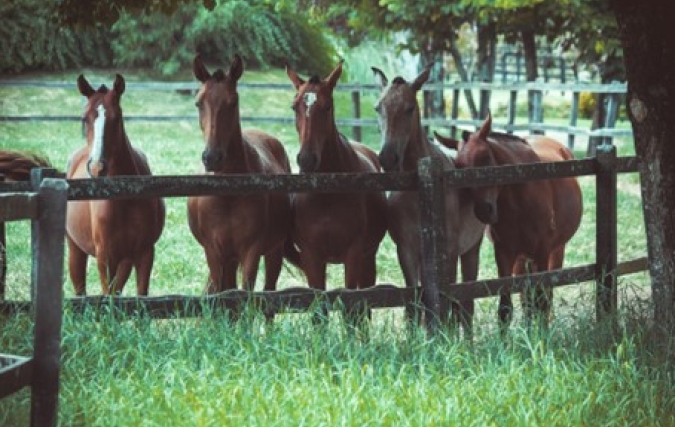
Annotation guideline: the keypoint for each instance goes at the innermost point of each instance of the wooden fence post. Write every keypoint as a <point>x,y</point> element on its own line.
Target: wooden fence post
<point>432,220</point>
<point>536,109</point>
<point>3,256</point>
<point>606,225</point>
<point>356,110</point>
<point>574,114</point>
<point>611,109</point>
<point>48,250</point>
<point>513,106</point>
<point>37,175</point>
<point>454,112</point>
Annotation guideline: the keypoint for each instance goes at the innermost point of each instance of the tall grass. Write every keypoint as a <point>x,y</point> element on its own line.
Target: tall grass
<point>207,371</point>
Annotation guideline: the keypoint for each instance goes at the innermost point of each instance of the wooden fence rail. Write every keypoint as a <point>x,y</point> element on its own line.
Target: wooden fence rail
<point>428,179</point>
<point>534,124</point>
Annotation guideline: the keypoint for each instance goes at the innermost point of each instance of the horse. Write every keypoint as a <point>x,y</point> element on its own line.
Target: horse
<point>336,228</point>
<point>404,143</point>
<point>121,234</point>
<point>237,230</point>
<point>16,165</point>
<point>529,223</point>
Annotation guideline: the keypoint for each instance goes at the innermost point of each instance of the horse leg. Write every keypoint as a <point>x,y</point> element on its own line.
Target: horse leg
<point>122,273</point>
<point>505,262</point>
<point>409,262</point>
<point>249,271</point>
<point>77,266</point>
<point>143,271</point>
<point>465,309</point>
<point>273,264</point>
<point>535,300</point>
<point>315,271</point>
<point>360,272</point>
<point>216,266</point>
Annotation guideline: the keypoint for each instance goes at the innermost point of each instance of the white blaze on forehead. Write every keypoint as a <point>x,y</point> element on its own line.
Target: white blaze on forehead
<point>97,144</point>
<point>310,99</point>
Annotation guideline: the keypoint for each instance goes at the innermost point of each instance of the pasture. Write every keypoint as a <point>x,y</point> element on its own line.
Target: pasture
<point>209,372</point>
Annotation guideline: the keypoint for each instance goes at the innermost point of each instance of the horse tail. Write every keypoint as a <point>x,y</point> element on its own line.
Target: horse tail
<point>16,166</point>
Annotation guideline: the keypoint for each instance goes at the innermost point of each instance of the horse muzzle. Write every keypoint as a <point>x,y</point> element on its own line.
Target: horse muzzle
<point>96,169</point>
<point>211,159</point>
<point>308,162</point>
<point>389,160</point>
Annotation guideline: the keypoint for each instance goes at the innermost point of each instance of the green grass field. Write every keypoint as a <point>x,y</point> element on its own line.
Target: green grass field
<point>203,372</point>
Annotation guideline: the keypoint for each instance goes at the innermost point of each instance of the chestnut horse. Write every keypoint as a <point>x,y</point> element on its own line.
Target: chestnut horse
<point>120,234</point>
<point>529,223</point>
<point>16,165</point>
<point>339,228</point>
<point>404,143</point>
<point>237,229</point>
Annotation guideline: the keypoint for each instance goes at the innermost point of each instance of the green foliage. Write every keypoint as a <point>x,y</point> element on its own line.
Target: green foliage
<point>254,30</point>
<point>32,40</point>
<point>587,103</point>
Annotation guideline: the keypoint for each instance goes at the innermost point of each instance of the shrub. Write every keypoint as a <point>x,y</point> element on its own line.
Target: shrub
<point>32,40</point>
<point>253,30</point>
<point>586,104</point>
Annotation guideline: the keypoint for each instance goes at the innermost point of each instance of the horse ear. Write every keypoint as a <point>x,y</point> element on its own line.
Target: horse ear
<point>236,68</point>
<point>119,84</point>
<point>199,69</point>
<point>486,127</point>
<point>84,87</point>
<point>333,78</point>
<point>422,78</point>
<point>380,78</point>
<point>446,141</point>
<point>295,78</point>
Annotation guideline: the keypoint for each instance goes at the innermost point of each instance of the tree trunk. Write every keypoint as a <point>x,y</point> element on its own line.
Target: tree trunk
<point>531,74</point>
<point>649,56</point>
<point>433,100</point>
<point>464,76</point>
<point>487,57</point>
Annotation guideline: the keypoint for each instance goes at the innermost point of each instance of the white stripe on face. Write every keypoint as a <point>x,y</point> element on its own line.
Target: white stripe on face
<point>97,145</point>
<point>310,99</point>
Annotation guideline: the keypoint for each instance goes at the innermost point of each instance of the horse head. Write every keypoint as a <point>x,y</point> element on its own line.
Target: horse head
<point>218,103</point>
<point>103,122</point>
<point>314,115</point>
<point>398,116</point>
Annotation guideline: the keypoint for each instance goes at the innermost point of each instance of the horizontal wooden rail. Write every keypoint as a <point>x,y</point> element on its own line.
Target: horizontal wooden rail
<point>16,206</point>
<point>301,298</point>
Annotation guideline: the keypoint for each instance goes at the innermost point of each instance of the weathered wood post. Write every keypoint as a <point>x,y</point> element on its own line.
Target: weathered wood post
<point>3,256</point>
<point>454,111</point>
<point>37,175</point>
<point>606,224</point>
<point>574,114</point>
<point>356,112</point>
<point>513,98</point>
<point>48,249</point>
<point>432,220</point>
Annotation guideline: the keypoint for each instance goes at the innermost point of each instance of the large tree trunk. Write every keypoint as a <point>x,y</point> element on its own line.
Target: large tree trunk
<point>487,58</point>
<point>649,55</point>
<point>433,101</point>
<point>531,72</point>
<point>464,76</point>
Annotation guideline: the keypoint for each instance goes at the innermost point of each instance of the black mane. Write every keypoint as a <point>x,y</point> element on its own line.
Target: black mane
<point>398,80</point>
<point>315,79</point>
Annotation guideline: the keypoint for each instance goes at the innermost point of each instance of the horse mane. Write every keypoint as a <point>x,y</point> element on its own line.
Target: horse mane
<point>315,79</point>
<point>102,89</point>
<point>508,138</point>
<point>398,80</point>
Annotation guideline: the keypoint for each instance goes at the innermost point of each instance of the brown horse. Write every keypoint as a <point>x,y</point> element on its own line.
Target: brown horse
<point>529,223</point>
<point>120,234</point>
<point>16,166</point>
<point>344,228</point>
<point>404,143</point>
<point>237,229</point>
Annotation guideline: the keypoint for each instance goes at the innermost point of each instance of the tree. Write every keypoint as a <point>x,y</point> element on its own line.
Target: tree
<point>645,30</point>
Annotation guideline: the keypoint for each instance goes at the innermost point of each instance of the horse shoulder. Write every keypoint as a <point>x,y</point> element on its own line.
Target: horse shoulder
<point>270,150</point>
<point>367,157</point>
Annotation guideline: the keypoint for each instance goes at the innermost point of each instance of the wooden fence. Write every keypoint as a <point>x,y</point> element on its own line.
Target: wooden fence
<point>429,181</point>
<point>534,124</point>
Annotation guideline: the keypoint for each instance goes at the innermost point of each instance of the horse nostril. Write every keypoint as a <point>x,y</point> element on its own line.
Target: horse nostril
<point>211,159</point>
<point>307,162</point>
<point>388,160</point>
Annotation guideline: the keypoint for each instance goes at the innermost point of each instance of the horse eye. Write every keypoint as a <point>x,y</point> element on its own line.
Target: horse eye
<point>198,104</point>
<point>378,109</point>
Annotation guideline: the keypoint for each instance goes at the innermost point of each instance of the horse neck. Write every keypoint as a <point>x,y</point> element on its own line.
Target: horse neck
<point>338,154</point>
<point>417,148</point>
<point>512,152</point>
<point>124,162</point>
<point>240,156</point>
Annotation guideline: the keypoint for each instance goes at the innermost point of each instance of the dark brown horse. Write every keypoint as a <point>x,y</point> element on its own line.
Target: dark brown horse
<point>237,229</point>
<point>529,223</point>
<point>120,234</point>
<point>344,228</point>
<point>16,165</point>
<point>404,143</point>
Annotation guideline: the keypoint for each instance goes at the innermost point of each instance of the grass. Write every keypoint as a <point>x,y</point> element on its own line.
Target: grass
<point>209,372</point>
